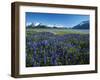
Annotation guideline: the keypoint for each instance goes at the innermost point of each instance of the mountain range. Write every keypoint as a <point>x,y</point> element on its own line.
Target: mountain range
<point>82,25</point>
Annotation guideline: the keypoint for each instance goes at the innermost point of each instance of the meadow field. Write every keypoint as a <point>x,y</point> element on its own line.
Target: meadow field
<point>60,31</point>
<point>56,47</point>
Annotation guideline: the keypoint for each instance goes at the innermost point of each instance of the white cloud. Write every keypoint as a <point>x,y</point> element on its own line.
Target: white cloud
<point>50,25</point>
<point>60,26</point>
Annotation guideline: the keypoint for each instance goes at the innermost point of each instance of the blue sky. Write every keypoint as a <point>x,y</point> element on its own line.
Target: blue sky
<point>65,20</point>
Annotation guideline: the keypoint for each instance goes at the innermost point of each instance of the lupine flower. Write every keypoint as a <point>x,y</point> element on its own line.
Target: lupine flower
<point>49,49</point>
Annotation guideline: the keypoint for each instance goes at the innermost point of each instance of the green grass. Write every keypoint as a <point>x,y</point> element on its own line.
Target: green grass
<point>58,31</point>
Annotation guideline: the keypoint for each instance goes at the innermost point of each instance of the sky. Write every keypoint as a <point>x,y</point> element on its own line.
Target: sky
<point>50,19</point>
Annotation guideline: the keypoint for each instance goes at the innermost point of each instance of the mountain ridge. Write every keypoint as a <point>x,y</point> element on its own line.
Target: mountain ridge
<point>82,25</point>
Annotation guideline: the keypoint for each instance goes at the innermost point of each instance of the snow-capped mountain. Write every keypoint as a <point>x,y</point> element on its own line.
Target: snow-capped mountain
<point>28,24</point>
<point>82,25</point>
<point>37,23</point>
<point>33,24</point>
<point>40,25</point>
